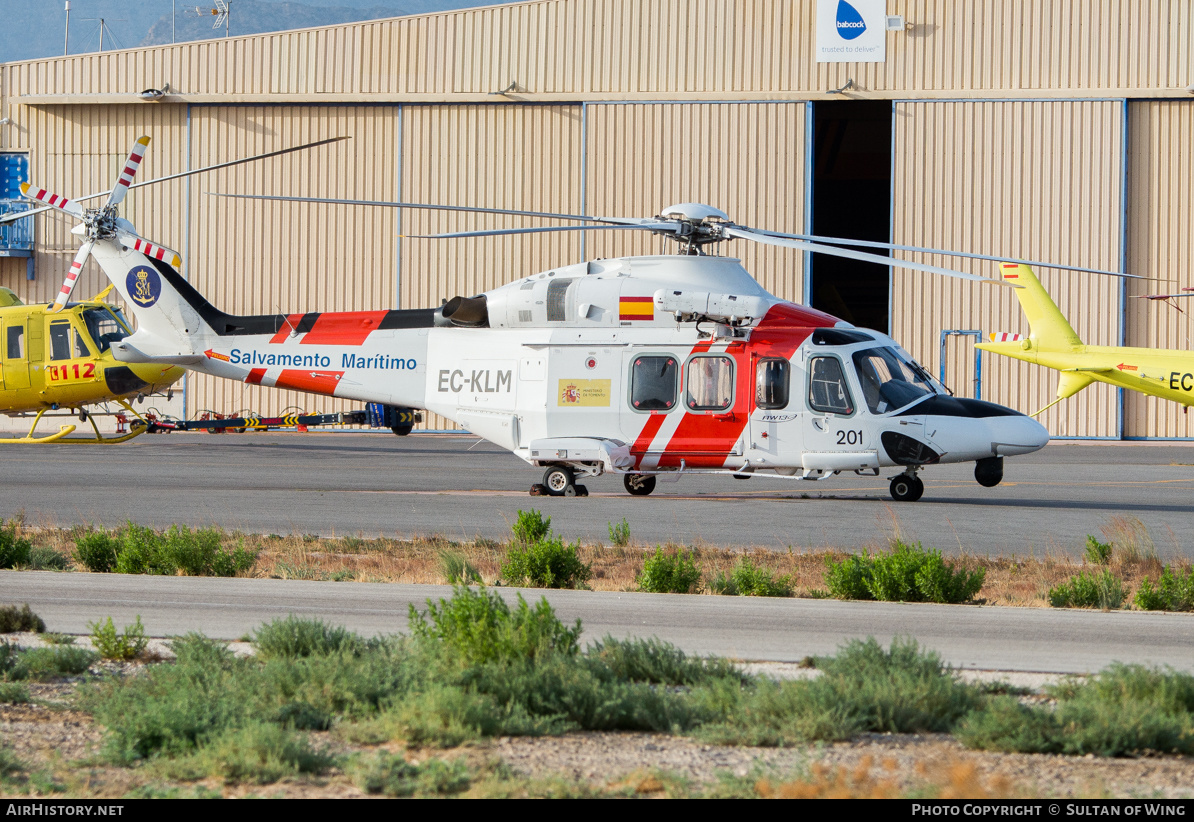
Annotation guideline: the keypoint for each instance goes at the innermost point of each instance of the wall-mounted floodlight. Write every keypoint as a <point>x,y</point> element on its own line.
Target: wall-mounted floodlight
<point>849,85</point>
<point>895,22</point>
<point>4,121</point>
<point>512,87</point>
<point>154,94</point>
<point>1190,88</point>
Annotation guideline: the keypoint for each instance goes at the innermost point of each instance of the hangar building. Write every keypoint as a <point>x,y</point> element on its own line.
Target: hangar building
<point>1049,129</point>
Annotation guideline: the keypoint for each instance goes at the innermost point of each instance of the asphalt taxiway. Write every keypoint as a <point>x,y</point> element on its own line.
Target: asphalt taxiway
<point>461,487</point>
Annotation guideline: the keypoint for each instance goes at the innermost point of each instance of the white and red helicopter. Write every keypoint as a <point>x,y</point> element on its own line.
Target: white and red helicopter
<point>646,367</point>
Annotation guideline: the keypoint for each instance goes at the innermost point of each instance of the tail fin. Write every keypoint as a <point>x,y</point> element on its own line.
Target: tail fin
<point>1049,328</point>
<point>169,329</point>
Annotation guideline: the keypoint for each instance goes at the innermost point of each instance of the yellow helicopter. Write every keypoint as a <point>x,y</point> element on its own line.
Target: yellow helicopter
<point>62,359</point>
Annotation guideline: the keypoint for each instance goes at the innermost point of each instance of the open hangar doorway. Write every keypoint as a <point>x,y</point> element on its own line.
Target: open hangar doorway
<point>851,197</point>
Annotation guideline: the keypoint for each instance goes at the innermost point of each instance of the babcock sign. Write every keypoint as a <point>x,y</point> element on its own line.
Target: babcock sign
<point>851,31</point>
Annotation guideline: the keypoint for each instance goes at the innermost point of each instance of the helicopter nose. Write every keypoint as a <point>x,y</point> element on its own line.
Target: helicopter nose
<point>969,429</point>
<point>1020,435</point>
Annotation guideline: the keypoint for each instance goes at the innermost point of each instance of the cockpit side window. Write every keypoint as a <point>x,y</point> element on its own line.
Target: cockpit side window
<point>653,383</point>
<point>888,381</point>
<point>104,326</point>
<point>827,389</point>
<point>82,349</point>
<point>773,378</point>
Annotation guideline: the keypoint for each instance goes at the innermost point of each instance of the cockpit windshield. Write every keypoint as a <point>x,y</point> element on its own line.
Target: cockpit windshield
<point>889,381</point>
<point>106,326</point>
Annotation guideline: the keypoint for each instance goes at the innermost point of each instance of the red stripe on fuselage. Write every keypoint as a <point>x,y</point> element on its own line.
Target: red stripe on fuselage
<point>343,328</point>
<point>255,376</point>
<point>705,440</point>
<point>317,382</point>
<point>288,328</point>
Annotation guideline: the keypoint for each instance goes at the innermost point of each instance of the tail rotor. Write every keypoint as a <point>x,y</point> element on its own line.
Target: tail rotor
<point>102,223</point>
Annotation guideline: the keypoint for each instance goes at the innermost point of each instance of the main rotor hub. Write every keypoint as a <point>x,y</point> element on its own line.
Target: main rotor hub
<point>100,223</point>
<point>699,225</point>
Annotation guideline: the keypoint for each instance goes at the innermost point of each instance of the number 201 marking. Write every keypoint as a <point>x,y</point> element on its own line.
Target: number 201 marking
<point>849,438</point>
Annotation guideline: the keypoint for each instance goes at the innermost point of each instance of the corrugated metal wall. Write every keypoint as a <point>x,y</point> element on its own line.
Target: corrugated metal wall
<point>255,257</point>
<point>1160,246</point>
<point>663,47</point>
<point>746,159</point>
<point>80,151</point>
<point>525,158</point>
<point>1035,180</point>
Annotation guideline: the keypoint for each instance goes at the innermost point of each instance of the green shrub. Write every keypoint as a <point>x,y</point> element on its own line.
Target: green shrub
<point>258,752</point>
<point>1097,553</point>
<point>142,551</point>
<point>41,664</point>
<point>848,579</point>
<point>295,637</point>
<point>14,620</point>
<point>655,661</point>
<point>44,558</point>
<point>671,573</point>
<point>1173,592</point>
<point>13,693</point>
<point>478,626</point>
<point>749,580</point>
<point>1089,590</point>
<point>531,527</point>
<point>97,551</point>
<point>546,563</point>
<point>1123,710</point>
<point>392,775</point>
<point>863,688</point>
<point>14,549</point>
<point>619,533</point>
<point>112,645</point>
<point>457,570</point>
<point>907,573</point>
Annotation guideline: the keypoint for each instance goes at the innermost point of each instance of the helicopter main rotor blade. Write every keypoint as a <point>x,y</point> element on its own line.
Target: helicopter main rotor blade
<point>72,276</point>
<point>20,215</point>
<point>816,238</point>
<point>51,200</point>
<point>626,221</point>
<point>128,172</point>
<point>502,231</point>
<point>768,239</point>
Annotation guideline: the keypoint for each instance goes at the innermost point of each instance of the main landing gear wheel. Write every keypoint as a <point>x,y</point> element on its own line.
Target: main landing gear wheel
<point>639,484</point>
<point>559,482</point>
<point>906,489</point>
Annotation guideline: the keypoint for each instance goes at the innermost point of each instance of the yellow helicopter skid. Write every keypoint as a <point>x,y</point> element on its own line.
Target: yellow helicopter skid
<point>29,438</point>
<point>102,440</point>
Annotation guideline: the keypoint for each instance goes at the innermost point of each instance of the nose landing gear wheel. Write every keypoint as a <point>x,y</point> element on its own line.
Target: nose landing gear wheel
<point>559,481</point>
<point>639,484</point>
<point>906,489</point>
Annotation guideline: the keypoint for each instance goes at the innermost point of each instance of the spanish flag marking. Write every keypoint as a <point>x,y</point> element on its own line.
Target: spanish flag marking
<point>636,308</point>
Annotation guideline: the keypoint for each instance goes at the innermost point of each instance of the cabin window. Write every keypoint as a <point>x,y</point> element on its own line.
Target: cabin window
<point>16,342</point>
<point>60,341</point>
<point>709,383</point>
<point>653,383</point>
<point>827,389</point>
<point>773,379</point>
